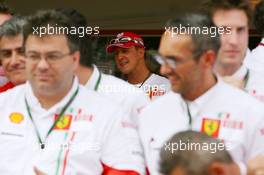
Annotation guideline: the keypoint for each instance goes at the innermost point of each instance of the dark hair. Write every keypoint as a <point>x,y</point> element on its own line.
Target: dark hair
<point>52,18</point>
<point>211,6</point>
<point>192,161</point>
<point>4,9</point>
<point>201,41</point>
<point>85,43</point>
<point>259,17</point>
<point>12,27</point>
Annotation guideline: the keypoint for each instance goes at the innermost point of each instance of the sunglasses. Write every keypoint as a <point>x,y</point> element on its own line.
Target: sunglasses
<point>169,61</point>
<point>125,40</point>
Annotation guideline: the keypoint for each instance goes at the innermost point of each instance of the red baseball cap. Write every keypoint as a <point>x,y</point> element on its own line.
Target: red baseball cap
<point>125,40</point>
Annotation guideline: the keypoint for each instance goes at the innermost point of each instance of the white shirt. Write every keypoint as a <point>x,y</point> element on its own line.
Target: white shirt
<point>238,119</point>
<point>255,83</point>
<point>155,86</point>
<point>256,59</point>
<point>90,135</point>
<point>132,99</point>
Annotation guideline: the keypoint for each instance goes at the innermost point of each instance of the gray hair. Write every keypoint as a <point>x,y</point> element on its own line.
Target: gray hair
<point>201,41</point>
<point>192,161</point>
<point>12,27</point>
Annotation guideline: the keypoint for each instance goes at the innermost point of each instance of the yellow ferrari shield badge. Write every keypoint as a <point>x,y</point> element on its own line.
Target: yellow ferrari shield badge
<point>211,127</point>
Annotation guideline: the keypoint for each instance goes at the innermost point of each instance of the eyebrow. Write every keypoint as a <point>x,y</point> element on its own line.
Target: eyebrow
<point>7,49</point>
<point>51,52</point>
<point>172,57</point>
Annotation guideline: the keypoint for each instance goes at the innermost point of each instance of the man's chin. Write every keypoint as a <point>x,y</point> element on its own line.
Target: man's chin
<point>231,61</point>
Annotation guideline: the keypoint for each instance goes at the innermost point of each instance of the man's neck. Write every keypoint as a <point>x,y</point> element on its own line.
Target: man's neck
<point>227,70</point>
<point>49,100</point>
<point>196,91</point>
<point>84,74</point>
<point>139,75</point>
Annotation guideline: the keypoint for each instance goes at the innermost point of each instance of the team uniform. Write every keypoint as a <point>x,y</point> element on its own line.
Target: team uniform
<point>130,98</point>
<point>88,138</point>
<point>155,86</point>
<point>254,81</point>
<point>6,87</point>
<point>223,112</point>
<point>256,59</point>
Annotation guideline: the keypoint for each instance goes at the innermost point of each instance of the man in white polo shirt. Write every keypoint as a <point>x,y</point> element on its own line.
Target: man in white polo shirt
<point>203,102</point>
<point>129,51</point>
<point>53,125</point>
<point>235,17</point>
<point>256,60</point>
<point>130,98</point>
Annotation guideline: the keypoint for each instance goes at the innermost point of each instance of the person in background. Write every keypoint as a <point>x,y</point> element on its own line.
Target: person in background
<point>235,17</point>
<point>129,53</point>
<point>256,61</point>
<point>5,14</point>
<point>130,98</point>
<point>12,52</point>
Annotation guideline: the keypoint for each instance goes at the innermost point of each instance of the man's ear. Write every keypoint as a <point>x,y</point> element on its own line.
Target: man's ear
<point>217,168</point>
<point>141,52</point>
<point>208,58</point>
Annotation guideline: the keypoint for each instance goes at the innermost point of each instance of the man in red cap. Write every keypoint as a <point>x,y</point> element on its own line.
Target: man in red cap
<point>129,51</point>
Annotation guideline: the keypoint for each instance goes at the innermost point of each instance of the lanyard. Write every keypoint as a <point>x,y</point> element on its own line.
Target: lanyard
<point>145,80</point>
<point>98,82</point>
<point>42,144</point>
<point>246,78</point>
<point>189,115</point>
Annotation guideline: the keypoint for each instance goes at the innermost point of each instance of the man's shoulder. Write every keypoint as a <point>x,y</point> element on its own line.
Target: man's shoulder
<point>15,91</point>
<point>166,104</point>
<point>13,96</point>
<point>158,78</point>
<point>235,97</point>
<point>113,85</point>
<point>110,79</point>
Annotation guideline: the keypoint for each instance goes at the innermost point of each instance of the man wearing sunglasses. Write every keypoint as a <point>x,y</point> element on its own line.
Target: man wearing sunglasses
<point>200,101</point>
<point>12,52</point>
<point>129,53</point>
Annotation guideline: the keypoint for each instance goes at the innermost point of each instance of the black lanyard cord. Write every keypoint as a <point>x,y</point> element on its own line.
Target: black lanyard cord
<point>189,115</point>
<point>246,78</point>
<point>98,82</point>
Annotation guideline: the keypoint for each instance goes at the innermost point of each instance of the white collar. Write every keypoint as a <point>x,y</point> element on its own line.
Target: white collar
<point>240,73</point>
<point>202,100</point>
<point>91,83</point>
<point>262,40</point>
<point>36,106</point>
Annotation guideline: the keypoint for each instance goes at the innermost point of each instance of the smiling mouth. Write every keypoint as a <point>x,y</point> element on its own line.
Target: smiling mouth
<point>123,63</point>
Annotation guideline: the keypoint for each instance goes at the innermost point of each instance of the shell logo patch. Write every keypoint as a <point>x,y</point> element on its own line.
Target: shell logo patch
<point>64,123</point>
<point>16,117</point>
<point>211,127</point>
